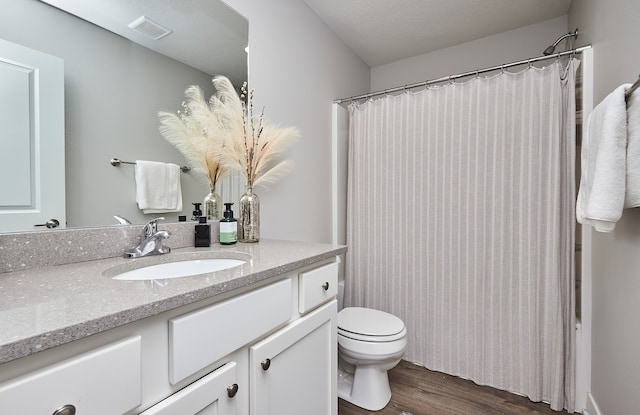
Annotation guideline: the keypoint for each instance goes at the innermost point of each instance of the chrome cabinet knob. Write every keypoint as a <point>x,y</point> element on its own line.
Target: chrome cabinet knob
<point>51,223</point>
<point>325,286</point>
<point>266,363</point>
<point>65,410</point>
<point>232,390</point>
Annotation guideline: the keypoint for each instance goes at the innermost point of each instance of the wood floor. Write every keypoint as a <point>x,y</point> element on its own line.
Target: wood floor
<point>419,391</point>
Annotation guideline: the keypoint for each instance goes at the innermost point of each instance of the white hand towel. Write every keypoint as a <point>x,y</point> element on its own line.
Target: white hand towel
<point>602,185</point>
<point>632,196</point>
<point>158,187</point>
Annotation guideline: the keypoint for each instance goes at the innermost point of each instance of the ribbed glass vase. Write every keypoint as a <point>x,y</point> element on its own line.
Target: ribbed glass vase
<point>249,221</point>
<point>212,206</point>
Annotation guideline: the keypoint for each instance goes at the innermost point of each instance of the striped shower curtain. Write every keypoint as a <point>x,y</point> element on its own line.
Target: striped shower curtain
<point>460,221</point>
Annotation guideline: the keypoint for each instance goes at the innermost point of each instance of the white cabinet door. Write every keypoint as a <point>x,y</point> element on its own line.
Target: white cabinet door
<point>31,139</point>
<point>214,394</point>
<point>104,381</point>
<point>294,370</point>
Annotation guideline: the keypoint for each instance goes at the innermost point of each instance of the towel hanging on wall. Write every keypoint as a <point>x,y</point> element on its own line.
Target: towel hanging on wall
<point>632,195</point>
<point>158,187</point>
<point>601,197</point>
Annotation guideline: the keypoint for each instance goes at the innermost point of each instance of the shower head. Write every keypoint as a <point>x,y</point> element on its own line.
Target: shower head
<point>550,49</point>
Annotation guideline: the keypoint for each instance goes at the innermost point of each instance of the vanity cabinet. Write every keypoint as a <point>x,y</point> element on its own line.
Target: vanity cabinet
<point>268,348</point>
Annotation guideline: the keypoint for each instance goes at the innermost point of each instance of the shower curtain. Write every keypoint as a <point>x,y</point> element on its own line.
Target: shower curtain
<point>460,221</point>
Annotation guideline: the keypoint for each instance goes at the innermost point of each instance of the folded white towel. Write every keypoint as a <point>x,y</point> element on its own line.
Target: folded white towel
<point>158,187</point>
<point>632,196</point>
<point>602,185</point>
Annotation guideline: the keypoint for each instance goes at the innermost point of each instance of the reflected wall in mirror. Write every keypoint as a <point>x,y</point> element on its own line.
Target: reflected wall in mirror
<point>114,89</point>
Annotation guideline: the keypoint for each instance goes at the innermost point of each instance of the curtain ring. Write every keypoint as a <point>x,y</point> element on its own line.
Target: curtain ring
<point>503,68</point>
<point>426,85</point>
<point>450,81</point>
<point>477,73</point>
<point>529,63</point>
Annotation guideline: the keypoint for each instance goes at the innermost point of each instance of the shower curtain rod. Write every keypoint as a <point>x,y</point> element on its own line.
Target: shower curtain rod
<point>462,75</point>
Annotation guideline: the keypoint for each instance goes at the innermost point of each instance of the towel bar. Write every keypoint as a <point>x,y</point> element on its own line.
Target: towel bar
<point>633,87</point>
<point>117,162</point>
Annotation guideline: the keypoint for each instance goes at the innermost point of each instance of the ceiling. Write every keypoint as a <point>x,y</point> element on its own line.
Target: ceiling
<point>383,31</point>
<point>198,28</point>
<point>379,31</point>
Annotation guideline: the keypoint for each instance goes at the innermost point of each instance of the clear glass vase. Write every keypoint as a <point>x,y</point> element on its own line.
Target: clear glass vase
<point>212,206</point>
<point>249,221</point>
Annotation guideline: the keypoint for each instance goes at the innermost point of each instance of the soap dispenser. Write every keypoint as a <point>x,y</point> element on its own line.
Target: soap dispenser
<point>228,227</point>
<point>196,212</point>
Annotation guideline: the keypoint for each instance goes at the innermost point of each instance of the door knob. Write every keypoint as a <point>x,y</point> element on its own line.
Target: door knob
<point>325,286</point>
<point>51,223</point>
<point>266,363</point>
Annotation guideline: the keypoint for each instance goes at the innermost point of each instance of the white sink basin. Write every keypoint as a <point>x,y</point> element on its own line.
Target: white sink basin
<point>178,269</point>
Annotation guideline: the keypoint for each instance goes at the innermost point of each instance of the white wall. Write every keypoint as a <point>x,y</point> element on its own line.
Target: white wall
<point>298,66</point>
<point>511,46</point>
<point>613,28</point>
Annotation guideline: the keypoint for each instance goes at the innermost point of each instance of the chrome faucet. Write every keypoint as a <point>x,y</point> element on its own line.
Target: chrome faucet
<point>150,241</point>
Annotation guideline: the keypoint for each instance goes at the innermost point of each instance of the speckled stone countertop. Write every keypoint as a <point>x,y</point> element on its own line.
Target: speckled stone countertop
<point>44,307</point>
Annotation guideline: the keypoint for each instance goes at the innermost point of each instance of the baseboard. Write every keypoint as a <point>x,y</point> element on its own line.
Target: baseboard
<point>592,406</point>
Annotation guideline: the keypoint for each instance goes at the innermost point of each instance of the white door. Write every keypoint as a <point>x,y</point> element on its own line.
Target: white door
<point>294,371</point>
<point>31,139</point>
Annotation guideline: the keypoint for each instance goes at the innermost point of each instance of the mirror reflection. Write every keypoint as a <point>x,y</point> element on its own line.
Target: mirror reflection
<point>114,88</point>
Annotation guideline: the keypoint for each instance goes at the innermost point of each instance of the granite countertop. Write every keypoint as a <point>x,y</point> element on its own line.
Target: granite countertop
<point>44,307</point>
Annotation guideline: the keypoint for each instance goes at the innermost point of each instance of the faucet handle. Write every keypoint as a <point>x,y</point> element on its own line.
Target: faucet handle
<point>151,227</point>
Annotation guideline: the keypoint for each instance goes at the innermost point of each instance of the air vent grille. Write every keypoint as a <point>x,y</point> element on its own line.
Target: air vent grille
<point>149,28</point>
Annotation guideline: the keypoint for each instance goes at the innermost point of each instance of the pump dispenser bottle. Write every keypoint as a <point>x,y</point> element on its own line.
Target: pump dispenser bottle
<point>196,212</point>
<point>228,227</point>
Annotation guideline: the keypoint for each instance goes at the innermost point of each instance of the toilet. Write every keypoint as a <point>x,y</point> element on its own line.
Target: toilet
<point>370,342</point>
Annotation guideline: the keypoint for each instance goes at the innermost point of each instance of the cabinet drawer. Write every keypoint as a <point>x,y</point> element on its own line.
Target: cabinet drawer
<point>214,393</point>
<point>103,381</point>
<point>317,286</point>
<point>199,339</point>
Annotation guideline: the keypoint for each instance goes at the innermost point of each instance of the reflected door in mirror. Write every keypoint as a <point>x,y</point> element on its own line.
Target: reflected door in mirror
<point>31,138</point>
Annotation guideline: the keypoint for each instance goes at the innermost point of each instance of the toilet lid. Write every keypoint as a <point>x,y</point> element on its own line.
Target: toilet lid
<point>369,322</point>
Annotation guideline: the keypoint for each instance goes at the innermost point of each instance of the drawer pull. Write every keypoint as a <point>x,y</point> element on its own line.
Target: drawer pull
<point>232,390</point>
<point>325,285</point>
<point>266,363</point>
<point>65,410</point>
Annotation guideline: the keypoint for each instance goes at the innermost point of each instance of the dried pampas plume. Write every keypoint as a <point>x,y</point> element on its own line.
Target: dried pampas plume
<point>252,145</point>
<point>198,133</point>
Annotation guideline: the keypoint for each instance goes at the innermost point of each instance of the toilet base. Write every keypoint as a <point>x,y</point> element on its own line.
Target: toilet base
<point>367,388</point>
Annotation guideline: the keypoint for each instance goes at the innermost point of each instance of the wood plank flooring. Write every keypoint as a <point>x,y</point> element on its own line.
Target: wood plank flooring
<point>419,391</point>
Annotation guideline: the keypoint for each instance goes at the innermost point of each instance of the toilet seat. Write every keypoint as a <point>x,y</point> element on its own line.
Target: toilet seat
<point>370,325</point>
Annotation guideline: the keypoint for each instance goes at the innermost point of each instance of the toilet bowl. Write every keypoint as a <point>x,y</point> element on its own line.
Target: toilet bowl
<point>370,342</point>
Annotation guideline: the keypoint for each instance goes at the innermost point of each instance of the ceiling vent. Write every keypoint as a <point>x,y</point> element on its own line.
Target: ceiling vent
<point>149,28</point>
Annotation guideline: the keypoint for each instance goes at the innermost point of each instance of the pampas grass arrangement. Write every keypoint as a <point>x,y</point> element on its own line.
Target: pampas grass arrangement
<point>223,134</point>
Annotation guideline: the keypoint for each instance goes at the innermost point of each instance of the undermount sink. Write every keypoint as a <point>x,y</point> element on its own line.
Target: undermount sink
<point>177,268</point>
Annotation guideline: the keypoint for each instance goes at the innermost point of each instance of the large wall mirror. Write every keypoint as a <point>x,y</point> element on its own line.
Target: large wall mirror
<point>116,79</point>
